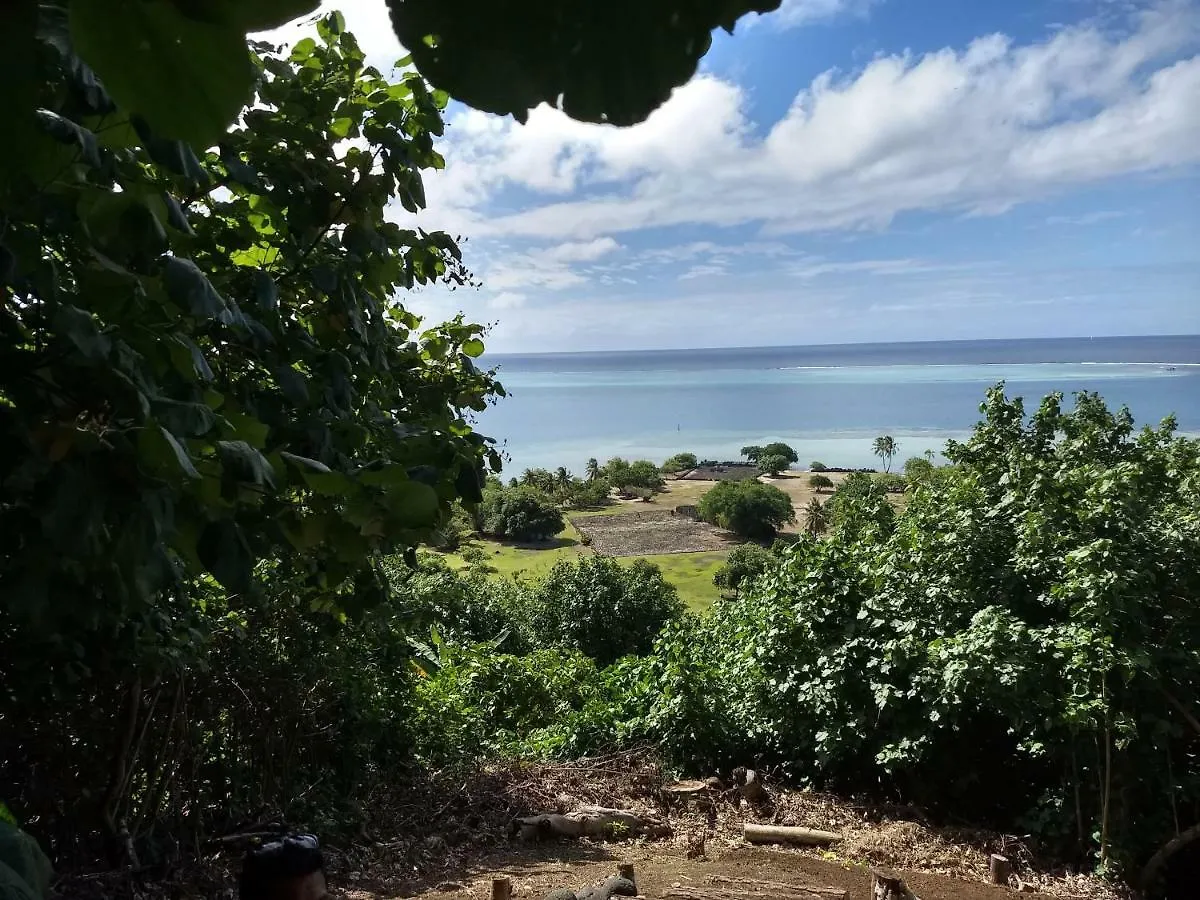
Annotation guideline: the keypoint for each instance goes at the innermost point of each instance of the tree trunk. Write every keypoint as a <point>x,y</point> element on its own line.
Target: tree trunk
<point>784,834</point>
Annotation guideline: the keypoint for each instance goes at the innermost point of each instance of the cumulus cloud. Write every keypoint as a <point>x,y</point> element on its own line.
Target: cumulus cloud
<point>976,130</point>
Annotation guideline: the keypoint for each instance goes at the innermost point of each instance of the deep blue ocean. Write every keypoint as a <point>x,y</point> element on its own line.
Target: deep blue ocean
<point>829,402</point>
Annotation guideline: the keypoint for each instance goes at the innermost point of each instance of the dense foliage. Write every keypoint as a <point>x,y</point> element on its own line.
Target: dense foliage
<point>600,607</point>
<point>748,508</point>
<point>680,462</point>
<point>218,423</point>
<point>1020,643</point>
<point>641,473</point>
<point>520,514</point>
<point>744,563</point>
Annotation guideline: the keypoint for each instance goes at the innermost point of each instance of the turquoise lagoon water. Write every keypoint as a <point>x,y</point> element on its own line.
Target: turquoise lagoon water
<point>829,402</point>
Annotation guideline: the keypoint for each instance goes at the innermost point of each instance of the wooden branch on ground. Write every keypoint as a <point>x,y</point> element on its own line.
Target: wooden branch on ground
<point>588,821</point>
<point>786,834</point>
<point>1169,849</point>
<point>889,886</point>
<point>776,892</point>
<point>777,886</point>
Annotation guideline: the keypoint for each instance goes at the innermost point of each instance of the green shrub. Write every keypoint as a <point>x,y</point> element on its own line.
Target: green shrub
<point>680,462</point>
<point>748,508</point>
<point>816,466</point>
<point>820,482</point>
<point>744,563</point>
<point>600,607</point>
<point>521,514</point>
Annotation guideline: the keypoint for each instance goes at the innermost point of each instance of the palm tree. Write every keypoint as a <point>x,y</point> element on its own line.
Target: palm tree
<point>593,469</point>
<point>886,448</point>
<point>562,477</point>
<point>816,518</point>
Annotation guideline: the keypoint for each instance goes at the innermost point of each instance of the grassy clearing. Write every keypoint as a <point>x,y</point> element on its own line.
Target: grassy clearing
<point>691,573</point>
<point>677,493</point>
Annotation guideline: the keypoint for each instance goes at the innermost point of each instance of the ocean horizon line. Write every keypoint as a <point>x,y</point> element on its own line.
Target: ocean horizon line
<point>844,344</point>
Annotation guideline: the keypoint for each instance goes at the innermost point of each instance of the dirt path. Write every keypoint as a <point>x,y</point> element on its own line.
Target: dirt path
<point>538,870</point>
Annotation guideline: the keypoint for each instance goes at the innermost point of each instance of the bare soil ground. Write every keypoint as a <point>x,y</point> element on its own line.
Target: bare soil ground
<point>648,533</point>
<point>445,836</point>
<point>936,863</point>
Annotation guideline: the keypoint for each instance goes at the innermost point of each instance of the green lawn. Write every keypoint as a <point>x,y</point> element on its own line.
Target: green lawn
<point>691,573</point>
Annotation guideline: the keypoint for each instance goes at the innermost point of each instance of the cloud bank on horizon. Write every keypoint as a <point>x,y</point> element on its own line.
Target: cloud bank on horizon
<point>847,170</point>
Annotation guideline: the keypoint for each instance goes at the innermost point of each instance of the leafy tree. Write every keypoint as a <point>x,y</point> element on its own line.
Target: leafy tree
<point>1033,610</point>
<point>752,453</point>
<point>820,482</point>
<point>680,462</point>
<point>886,448</point>
<point>773,464</point>
<point>220,424</point>
<point>520,514</point>
<point>750,509</point>
<point>816,518</point>
<point>918,468</point>
<point>203,355</point>
<point>778,448</point>
<point>600,607</point>
<point>593,469</point>
<point>183,67</point>
<point>744,563</point>
<point>639,474</point>
<point>817,466</point>
<point>860,505</point>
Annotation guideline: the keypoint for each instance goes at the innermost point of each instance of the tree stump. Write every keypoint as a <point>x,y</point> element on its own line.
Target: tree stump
<point>1001,868</point>
<point>501,888</point>
<point>889,886</point>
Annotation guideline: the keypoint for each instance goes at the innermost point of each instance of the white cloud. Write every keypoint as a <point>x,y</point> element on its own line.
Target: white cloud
<point>548,267</point>
<point>975,130</point>
<point>792,13</point>
<point>507,300</point>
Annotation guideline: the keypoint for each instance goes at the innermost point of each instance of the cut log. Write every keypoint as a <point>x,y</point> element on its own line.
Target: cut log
<point>889,886</point>
<point>588,821</point>
<point>744,884</point>
<point>787,834</point>
<point>501,888</point>
<point>781,892</point>
<point>1001,868</point>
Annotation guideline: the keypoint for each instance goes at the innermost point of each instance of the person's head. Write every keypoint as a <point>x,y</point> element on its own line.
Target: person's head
<point>290,868</point>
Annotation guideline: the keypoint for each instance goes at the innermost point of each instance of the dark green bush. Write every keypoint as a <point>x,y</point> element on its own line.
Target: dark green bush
<point>750,508</point>
<point>600,607</point>
<point>520,514</point>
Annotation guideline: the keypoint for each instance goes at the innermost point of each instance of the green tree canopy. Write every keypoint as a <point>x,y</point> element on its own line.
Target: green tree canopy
<point>601,607</point>
<point>886,448</point>
<point>203,360</point>
<point>744,563</point>
<point>520,514</point>
<point>680,462</point>
<point>752,452</point>
<point>778,448</point>
<point>750,509</point>
<point>820,482</point>
<point>773,464</point>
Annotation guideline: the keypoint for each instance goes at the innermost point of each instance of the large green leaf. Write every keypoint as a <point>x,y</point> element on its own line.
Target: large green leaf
<point>188,78</point>
<point>247,15</point>
<point>610,61</point>
<point>21,853</point>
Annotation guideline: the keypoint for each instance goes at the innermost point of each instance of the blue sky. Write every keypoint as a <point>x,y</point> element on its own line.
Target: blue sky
<point>844,171</point>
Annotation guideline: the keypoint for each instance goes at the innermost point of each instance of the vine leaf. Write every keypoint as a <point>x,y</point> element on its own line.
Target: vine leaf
<point>189,79</point>
<point>612,61</point>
